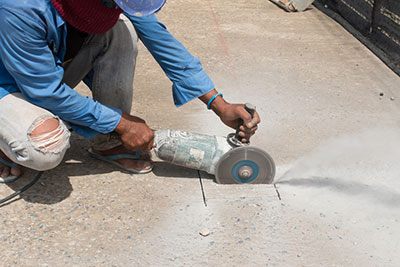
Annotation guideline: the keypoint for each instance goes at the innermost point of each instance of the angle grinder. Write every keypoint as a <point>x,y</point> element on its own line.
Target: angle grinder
<point>229,159</point>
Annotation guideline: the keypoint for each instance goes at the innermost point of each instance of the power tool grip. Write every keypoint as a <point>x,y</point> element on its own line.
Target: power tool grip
<point>250,108</point>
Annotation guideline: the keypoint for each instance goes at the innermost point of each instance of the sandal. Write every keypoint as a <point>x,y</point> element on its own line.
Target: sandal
<point>10,178</point>
<point>111,159</point>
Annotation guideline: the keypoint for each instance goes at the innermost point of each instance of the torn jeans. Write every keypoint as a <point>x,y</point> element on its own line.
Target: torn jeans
<point>107,63</point>
<point>39,153</point>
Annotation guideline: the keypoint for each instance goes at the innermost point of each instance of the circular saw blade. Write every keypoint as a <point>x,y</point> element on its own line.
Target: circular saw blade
<point>245,165</point>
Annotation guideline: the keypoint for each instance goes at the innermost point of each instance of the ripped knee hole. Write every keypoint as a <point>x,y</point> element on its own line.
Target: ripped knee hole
<point>49,134</point>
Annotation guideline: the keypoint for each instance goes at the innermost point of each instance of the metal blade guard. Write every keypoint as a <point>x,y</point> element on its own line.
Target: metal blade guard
<point>245,165</point>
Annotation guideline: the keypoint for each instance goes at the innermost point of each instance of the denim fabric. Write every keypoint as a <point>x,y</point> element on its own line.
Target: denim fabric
<point>106,62</point>
<point>15,141</point>
<point>32,47</point>
<point>118,45</point>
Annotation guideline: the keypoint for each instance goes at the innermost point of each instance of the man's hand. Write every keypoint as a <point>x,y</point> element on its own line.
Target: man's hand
<point>230,114</point>
<point>135,134</point>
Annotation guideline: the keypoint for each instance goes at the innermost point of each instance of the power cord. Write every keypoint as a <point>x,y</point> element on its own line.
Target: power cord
<point>26,187</point>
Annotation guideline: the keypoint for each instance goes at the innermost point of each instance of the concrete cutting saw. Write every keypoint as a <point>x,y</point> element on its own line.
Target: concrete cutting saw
<point>229,159</point>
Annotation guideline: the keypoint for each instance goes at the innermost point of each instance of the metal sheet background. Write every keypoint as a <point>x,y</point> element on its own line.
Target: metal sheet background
<point>377,20</point>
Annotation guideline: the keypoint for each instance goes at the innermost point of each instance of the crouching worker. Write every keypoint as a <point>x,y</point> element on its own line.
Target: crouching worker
<point>48,46</point>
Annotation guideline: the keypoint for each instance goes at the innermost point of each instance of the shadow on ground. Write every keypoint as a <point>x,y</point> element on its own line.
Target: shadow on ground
<point>168,170</point>
<point>54,186</point>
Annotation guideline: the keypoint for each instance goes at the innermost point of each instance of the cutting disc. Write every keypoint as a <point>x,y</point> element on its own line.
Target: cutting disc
<point>245,165</point>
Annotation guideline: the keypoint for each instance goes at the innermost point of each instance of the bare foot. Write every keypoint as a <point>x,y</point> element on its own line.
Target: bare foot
<point>142,164</point>
<point>6,171</point>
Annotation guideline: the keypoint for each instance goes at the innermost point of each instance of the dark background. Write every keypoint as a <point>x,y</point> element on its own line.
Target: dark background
<point>376,20</point>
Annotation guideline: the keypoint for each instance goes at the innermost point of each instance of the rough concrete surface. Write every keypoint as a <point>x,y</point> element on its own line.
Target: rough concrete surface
<point>335,140</point>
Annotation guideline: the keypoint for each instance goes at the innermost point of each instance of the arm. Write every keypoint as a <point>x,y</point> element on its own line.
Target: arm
<point>230,115</point>
<point>38,74</point>
<point>184,70</point>
<point>188,77</point>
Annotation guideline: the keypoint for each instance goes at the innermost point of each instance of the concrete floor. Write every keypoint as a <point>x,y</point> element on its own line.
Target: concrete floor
<point>335,140</point>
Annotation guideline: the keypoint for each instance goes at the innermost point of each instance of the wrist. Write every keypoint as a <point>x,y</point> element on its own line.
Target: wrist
<point>213,98</point>
<point>218,105</point>
<point>121,126</point>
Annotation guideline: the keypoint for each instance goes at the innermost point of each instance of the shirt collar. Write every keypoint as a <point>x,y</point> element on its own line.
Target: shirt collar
<point>60,22</point>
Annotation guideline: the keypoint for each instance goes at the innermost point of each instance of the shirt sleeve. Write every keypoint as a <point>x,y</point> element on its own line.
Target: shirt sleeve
<point>184,70</point>
<point>38,74</point>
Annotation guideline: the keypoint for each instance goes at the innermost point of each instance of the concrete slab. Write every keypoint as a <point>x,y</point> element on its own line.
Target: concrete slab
<point>351,184</point>
<point>334,138</point>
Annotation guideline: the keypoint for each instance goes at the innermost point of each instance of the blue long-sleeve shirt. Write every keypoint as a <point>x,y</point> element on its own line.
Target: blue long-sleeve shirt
<point>32,49</point>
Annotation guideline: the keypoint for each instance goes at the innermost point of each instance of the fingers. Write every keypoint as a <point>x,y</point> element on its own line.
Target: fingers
<point>249,127</point>
<point>244,130</point>
<point>143,146</point>
<point>144,141</point>
<point>150,144</point>
<point>243,114</point>
<point>147,140</point>
<point>246,133</point>
<point>254,121</point>
<point>249,121</point>
<point>135,134</point>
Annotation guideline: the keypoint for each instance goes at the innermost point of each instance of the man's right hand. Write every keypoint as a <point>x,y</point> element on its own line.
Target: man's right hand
<point>134,132</point>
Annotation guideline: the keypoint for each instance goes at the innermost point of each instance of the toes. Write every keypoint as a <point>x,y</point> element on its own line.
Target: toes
<point>5,172</point>
<point>136,164</point>
<point>144,165</point>
<point>16,171</point>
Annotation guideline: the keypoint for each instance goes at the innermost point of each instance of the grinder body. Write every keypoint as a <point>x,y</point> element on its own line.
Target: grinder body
<point>191,150</point>
<point>215,155</point>
<point>229,159</point>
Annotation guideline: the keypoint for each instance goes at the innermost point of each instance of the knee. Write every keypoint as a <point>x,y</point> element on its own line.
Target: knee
<point>126,35</point>
<point>49,138</point>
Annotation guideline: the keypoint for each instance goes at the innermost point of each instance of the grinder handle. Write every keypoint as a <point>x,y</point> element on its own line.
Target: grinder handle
<point>250,108</point>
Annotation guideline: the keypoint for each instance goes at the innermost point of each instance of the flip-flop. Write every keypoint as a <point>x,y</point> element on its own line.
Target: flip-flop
<point>111,159</point>
<point>11,178</point>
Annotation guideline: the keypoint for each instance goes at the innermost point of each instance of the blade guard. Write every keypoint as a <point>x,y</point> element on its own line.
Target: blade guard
<point>245,165</point>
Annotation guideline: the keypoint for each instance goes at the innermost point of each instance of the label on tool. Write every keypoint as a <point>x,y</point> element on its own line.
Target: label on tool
<point>192,150</point>
<point>195,159</point>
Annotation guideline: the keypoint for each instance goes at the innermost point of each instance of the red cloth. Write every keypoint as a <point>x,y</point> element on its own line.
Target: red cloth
<point>90,16</point>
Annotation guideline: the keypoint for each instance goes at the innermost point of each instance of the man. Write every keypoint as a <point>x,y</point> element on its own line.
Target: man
<point>48,46</point>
